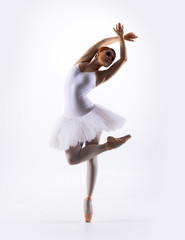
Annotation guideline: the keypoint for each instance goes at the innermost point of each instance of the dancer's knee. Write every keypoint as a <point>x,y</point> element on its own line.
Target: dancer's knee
<point>72,154</point>
<point>71,158</point>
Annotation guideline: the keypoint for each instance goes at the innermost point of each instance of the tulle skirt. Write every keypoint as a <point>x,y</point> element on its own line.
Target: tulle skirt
<point>71,131</point>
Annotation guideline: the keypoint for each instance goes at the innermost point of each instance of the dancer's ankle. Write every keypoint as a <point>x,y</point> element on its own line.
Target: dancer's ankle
<point>89,196</point>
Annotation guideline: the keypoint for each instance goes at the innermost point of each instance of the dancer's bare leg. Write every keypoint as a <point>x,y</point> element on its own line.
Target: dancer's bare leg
<point>77,154</point>
<point>92,168</point>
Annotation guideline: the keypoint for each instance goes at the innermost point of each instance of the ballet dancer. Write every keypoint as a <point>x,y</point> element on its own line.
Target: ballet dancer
<point>83,121</point>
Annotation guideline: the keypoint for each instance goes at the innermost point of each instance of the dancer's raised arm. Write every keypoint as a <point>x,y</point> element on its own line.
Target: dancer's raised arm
<point>89,54</point>
<point>103,76</point>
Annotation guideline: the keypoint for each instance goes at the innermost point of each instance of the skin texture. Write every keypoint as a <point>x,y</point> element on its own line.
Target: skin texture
<point>89,63</point>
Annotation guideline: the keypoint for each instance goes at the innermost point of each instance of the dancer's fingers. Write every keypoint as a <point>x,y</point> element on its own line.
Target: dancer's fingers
<point>114,30</point>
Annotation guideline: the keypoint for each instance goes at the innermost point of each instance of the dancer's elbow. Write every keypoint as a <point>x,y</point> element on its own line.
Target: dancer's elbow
<point>123,60</point>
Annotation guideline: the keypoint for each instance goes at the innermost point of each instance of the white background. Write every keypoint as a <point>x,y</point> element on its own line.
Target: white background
<point>139,193</point>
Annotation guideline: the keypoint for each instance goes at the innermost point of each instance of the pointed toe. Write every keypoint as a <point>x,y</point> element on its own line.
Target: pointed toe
<point>88,209</point>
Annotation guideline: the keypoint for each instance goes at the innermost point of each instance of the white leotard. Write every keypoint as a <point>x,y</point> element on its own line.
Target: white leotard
<point>76,87</point>
<point>82,120</point>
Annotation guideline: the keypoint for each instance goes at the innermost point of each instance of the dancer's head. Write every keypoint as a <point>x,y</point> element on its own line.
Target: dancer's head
<point>105,55</point>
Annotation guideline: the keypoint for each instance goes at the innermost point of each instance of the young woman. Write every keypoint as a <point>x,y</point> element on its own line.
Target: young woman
<point>83,121</point>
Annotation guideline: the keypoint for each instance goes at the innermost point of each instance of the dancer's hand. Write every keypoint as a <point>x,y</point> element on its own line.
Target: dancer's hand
<point>130,36</point>
<point>119,30</point>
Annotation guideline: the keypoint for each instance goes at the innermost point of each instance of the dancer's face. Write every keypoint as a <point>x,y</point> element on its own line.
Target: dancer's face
<point>106,57</point>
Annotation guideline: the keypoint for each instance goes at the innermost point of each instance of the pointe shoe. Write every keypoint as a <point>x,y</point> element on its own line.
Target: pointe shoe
<point>110,140</point>
<point>88,212</point>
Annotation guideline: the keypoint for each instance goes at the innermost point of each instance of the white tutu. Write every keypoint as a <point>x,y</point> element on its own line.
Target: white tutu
<point>71,131</point>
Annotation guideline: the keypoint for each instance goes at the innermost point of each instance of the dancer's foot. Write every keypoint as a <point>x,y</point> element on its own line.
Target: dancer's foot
<point>115,142</point>
<point>88,209</point>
